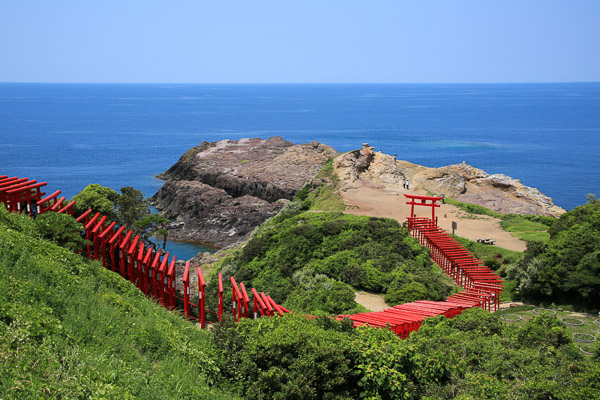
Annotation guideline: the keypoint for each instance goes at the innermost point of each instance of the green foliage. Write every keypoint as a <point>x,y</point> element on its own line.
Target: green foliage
<point>525,227</point>
<point>320,294</point>
<point>526,270</point>
<point>152,225</point>
<point>407,293</point>
<point>99,198</point>
<point>287,358</point>
<point>474,355</point>
<point>70,328</point>
<point>131,206</point>
<point>16,222</point>
<point>303,193</point>
<point>567,269</point>
<point>492,263</point>
<point>321,193</point>
<point>313,262</point>
<point>486,251</point>
<point>543,331</point>
<point>62,229</point>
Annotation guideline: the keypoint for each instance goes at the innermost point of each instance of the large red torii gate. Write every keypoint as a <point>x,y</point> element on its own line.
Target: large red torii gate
<point>423,202</point>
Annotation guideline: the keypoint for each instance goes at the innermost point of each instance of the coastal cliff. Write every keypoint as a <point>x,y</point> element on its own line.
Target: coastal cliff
<point>218,192</point>
<point>461,182</point>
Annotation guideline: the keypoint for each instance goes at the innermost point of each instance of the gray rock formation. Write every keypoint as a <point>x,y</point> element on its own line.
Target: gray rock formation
<point>219,192</point>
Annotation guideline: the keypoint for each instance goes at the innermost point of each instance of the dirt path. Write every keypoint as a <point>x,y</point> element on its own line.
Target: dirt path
<point>372,302</point>
<point>391,203</point>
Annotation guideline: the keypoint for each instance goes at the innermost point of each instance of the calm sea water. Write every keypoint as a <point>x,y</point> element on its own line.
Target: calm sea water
<point>547,135</point>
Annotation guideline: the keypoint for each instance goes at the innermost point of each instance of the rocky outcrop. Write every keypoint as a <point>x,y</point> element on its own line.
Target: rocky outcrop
<point>462,182</point>
<point>219,192</point>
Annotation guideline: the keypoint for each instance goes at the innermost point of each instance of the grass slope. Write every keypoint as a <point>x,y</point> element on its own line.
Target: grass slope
<point>71,329</point>
<point>525,227</point>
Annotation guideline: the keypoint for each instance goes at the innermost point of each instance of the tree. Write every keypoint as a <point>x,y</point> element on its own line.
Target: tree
<point>131,206</point>
<point>153,225</point>
<point>99,198</point>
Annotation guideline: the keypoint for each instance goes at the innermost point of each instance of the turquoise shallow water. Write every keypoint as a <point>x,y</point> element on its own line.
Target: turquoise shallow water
<point>547,135</point>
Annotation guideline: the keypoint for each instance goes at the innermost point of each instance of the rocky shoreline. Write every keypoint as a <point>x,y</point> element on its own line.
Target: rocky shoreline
<point>219,192</point>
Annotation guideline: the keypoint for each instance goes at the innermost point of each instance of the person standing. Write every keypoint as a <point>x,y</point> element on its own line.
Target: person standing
<point>407,184</point>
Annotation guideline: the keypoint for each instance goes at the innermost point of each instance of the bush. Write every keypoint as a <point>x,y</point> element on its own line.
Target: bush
<point>492,263</point>
<point>99,198</point>
<point>62,229</point>
<point>288,358</point>
<point>407,293</point>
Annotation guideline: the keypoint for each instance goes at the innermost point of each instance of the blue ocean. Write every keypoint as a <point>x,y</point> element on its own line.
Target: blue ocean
<point>71,135</point>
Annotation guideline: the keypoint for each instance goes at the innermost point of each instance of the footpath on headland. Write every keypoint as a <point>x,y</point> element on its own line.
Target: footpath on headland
<point>389,202</point>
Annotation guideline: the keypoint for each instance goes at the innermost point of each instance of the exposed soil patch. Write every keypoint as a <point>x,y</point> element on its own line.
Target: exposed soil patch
<point>372,302</point>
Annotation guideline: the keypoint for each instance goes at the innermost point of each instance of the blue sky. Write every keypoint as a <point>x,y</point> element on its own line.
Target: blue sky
<point>300,41</point>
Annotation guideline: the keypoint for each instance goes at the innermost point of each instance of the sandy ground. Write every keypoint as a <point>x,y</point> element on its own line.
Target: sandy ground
<point>372,302</point>
<point>391,203</point>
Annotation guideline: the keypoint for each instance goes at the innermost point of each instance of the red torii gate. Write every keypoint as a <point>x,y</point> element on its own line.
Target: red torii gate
<point>423,202</point>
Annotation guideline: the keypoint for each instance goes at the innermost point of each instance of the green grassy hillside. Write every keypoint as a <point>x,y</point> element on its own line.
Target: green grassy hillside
<point>71,329</point>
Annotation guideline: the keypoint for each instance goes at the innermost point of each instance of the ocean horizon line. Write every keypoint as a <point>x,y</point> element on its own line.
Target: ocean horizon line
<point>302,83</point>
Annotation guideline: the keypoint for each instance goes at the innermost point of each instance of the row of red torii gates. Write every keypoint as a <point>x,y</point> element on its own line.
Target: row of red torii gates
<point>147,267</point>
<point>481,286</point>
<point>154,272</point>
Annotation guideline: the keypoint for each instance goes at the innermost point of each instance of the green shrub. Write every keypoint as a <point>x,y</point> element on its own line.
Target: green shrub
<point>288,358</point>
<point>492,263</point>
<point>99,198</point>
<point>62,229</point>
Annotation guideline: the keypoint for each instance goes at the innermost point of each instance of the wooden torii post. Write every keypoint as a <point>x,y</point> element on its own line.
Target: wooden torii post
<point>423,201</point>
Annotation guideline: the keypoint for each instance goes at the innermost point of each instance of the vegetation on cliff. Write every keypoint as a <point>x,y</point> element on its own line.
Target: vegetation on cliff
<point>320,194</point>
<point>129,209</point>
<point>566,270</point>
<point>70,328</point>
